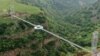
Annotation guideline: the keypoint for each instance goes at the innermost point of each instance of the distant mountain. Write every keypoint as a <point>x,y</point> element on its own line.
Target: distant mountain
<point>60,8</point>
<point>96,9</point>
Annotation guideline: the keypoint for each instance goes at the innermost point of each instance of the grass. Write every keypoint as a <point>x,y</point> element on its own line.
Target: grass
<point>6,4</point>
<point>18,7</point>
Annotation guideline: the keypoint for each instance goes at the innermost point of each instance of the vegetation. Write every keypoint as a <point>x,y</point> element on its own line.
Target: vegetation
<point>18,7</point>
<point>20,38</point>
<point>59,8</point>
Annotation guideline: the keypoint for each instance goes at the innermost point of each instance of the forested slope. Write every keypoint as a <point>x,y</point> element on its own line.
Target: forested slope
<point>60,8</point>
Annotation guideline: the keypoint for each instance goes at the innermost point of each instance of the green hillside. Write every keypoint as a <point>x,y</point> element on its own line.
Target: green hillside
<point>18,7</point>
<point>5,4</point>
